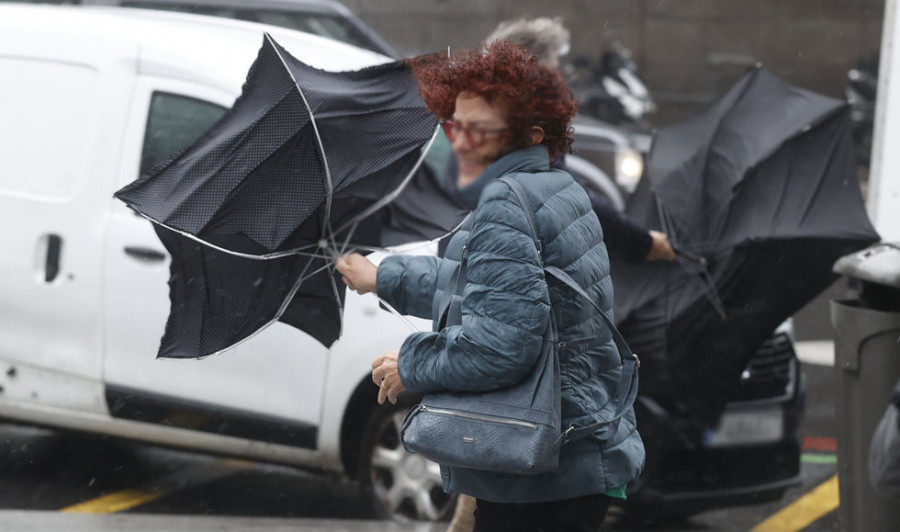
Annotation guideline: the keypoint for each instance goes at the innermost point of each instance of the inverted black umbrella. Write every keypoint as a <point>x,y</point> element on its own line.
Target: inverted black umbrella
<point>307,164</point>
<point>759,196</point>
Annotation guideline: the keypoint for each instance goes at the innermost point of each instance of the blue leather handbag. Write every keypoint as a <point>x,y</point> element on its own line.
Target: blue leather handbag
<point>516,429</point>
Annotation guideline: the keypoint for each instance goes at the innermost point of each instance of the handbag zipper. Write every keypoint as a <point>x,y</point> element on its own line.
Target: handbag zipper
<point>479,417</point>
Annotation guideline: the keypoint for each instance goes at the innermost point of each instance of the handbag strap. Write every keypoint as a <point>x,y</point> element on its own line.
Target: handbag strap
<point>628,383</point>
<point>451,311</point>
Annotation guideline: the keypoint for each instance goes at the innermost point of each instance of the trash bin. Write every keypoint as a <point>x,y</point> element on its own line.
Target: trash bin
<point>867,363</point>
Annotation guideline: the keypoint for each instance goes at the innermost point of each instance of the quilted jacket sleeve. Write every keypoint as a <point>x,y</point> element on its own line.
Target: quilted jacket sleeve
<point>505,309</point>
<point>408,283</point>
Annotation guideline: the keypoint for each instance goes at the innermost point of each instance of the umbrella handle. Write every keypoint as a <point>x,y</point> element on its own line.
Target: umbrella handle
<point>688,256</point>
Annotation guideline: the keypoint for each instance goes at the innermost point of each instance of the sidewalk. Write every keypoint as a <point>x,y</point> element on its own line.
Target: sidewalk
<point>28,521</point>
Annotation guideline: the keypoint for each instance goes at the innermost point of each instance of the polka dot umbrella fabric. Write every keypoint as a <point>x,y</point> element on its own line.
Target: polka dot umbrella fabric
<point>303,166</point>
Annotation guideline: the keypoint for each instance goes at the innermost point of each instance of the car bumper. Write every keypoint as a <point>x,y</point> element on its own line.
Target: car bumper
<point>698,501</point>
<point>691,481</point>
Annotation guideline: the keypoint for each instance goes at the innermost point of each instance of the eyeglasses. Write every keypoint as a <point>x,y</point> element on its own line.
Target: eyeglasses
<point>476,135</point>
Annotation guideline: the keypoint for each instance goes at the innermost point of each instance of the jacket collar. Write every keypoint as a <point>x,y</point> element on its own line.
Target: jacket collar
<point>533,159</point>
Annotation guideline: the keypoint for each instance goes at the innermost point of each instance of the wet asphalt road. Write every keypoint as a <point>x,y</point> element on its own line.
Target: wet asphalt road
<point>47,471</point>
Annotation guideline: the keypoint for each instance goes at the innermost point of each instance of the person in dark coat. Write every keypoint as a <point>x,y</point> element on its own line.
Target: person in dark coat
<point>626,239</point>
<point>548,39</point>
<point>507,115</point>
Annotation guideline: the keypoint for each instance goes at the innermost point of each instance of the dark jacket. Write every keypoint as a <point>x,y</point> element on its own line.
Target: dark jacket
<point>623,237</point>
<point>505,310</point>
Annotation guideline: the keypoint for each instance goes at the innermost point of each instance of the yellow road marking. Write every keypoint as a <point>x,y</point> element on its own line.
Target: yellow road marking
<point>129,498</point>
<point>114,502</point>
<point>805,510</point>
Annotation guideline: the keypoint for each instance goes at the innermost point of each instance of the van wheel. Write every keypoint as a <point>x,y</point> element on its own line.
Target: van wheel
<point>399,485</point>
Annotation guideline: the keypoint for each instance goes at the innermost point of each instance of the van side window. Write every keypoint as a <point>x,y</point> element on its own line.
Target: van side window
<point>175,121</point>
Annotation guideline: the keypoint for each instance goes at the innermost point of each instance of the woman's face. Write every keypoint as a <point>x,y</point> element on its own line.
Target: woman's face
<point>479,135</point>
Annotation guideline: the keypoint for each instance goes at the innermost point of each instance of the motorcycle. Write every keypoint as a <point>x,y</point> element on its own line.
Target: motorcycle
<point>611,89</point>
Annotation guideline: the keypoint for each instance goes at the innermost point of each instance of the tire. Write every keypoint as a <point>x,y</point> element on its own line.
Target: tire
<point>399,485</point>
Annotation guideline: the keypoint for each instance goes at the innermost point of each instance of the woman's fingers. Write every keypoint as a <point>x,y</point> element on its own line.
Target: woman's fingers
<point>357,272</point>
<point>347,264</point>
<point>390,388</point>
<point>383,368</point>
<point>382,393</point>
<point>378,374</point>
<point>386,374</point>
<point>387,390</point>
<point>348,283</point>
<point>344,266</point>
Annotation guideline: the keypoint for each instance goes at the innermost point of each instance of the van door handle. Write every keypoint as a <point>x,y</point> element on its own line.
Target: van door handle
<point>145,253</point>
<point>51,262</point>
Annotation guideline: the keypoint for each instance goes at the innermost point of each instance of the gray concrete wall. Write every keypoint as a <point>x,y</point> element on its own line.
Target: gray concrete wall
<point>687,50</point>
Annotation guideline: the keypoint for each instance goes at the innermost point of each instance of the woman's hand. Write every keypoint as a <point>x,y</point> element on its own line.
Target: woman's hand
<point>358,273</point>
<point>386,374</point>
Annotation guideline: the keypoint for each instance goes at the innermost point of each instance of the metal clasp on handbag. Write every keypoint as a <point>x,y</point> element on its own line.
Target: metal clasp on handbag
<point>565,434</point>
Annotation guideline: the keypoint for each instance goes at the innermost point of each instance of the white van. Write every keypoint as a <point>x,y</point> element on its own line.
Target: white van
<point>89,98</point>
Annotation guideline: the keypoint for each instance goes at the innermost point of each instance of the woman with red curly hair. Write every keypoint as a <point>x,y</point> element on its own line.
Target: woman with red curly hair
<point>508,116</point>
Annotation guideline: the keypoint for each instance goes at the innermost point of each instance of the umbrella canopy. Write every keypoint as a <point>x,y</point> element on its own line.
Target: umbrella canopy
<point>759,196</point>
<point>305,165</point>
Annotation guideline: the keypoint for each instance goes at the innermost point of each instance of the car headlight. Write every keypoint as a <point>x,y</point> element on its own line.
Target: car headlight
<point>629,168</point>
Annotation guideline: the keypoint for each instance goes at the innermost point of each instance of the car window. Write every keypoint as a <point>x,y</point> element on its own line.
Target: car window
<point>324,24</point>
<point>57,2</point>
<point>174,121</point>
<point>331,26</point>
<point>214,11</point>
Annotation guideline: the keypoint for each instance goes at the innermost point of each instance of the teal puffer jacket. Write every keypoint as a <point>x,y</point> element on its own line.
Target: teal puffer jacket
<point>505,309</point>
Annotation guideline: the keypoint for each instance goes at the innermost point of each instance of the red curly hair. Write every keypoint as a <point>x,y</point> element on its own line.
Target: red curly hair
<point>510,76</point>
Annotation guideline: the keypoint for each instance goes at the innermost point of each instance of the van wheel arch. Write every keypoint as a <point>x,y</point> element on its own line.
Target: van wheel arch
<point>360,408</point>
<point>365,425</point>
